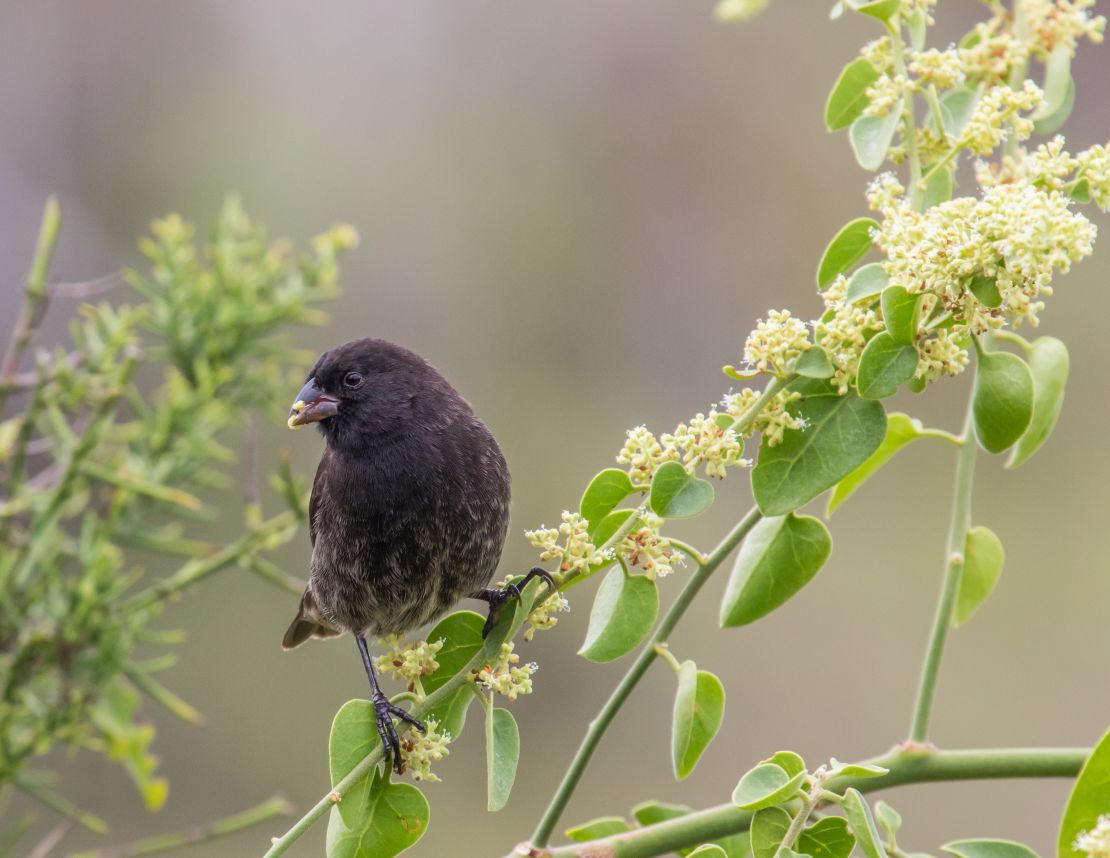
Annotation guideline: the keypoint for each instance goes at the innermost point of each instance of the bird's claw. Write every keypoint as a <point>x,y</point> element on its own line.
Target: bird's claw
<point>384,713</point>
<point>499,596</point>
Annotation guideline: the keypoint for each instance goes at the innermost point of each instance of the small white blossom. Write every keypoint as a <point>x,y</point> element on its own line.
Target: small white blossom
<point>411,662</point>
<point>1096,842</point>
<point>507,677</point>
<point>776,341</point>
<point>643,453</point>
<point>420,750</point>
<point>542,616</point>
<point>575,553</point>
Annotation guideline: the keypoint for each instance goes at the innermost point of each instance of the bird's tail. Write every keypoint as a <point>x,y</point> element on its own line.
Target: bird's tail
<point>309,623</point>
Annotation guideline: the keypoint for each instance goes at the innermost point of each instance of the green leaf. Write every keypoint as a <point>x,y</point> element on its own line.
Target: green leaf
<point>604,493</point>
<point>601,532</point>
<point>450,714</point>
<point>393,817</point>
<point>988,848</point>
<point>1002,403</point>
<point>502,756</point>
<point>827,838</point>
<point>917,23</point>
<point>901,311</point>
<point>813,363</point>
<point>900,430</point>
<point>1080,190</point>
<point>847,248</point>
<point>1057,80</point>
<point>353,736</point>
<point>699,708</point>
<point>884,10</point>
<point>983,556</point>
<point>1089,799</point>
<point>1052,123</point>
<point>861,770</point>
<point>654,812</point>
<point>862,824</point>
<point>986,290</point>
<point>848,98</point>
<point>623,614</point>
<point>884,366</point>
<point>765,786</point>
<point>871,137</point>
<point>604,826</point>
<point>708,850</point>
<point>461,633</point>
<point>1048,364</point>
<point>938,189</point>
<point>769,826</point>
<point>677,494</point>
<point>788,761</point>
<point>888,818</point>
<point>779,557</point>
<point>868,281</point>
<point>958,105</point>
<point>841,433</point>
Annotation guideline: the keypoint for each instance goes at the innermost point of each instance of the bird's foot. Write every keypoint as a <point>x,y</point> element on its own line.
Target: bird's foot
<point>498,596</point>
<point>384,712</point>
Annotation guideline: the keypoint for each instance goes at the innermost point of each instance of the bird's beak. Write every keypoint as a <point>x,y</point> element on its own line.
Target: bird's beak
<point>312,406</point>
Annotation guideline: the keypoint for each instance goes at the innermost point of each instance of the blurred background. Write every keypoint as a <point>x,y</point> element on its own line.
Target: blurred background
<point>576,211</point>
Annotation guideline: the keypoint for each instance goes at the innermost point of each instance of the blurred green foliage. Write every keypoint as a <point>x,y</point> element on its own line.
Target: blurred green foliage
<point>104,461</point>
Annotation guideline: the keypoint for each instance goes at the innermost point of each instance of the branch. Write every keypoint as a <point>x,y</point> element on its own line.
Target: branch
<point>906,767</point>
<point>631,679</point>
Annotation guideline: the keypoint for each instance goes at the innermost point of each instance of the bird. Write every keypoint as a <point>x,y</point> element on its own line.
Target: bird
<point>409,508</point>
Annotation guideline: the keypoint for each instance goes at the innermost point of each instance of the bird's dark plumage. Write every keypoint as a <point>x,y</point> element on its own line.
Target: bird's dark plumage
<point>410,504</point>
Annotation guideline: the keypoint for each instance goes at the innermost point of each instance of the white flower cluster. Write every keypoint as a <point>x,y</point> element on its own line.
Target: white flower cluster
<point>542,617</point>
<point>507,677</point>
<point>647,548</point>
<point>775,342</point>
<point>576,553</point>
<point>409,663</point>
<point>1096,842</point>
<point>420,750</point>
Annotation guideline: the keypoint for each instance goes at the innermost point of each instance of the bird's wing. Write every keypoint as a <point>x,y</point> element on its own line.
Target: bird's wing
<point>314,500</point>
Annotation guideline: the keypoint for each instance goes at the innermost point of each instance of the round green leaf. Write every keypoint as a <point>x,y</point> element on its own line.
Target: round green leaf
<point>450,714</point>
<point>768,828</point>
<point>884,10</point>
<point>813,363</point>
<point>900,430</point>
<point>871,136</point>
<point>677,494</point>
<point>765,786</point>
<point>604,826</point>
<point>938,189</point>
<point>604,492</point>
<point>988,848</point>
<point>847,248</point>
<point>983,556</point>
<point>1089,799</point>
<point>888,818</point>
<point>699,707</point>
<point>1080,192</point>
<point>461,633</point>
<point>849,94</point>
<point>353,736</point>
<point>958,105</point>
<point>623,614</point>
<point>884,366</point>
<point>901,310</point>
<point>1002,403</point>
<point>862,824</point>
<point>866,282</point>
<point>827,838</point>
<point>985,289</point>
<point>654,812</point>
<point>788,761</point>
<point>1048,363</point>
<point>779,557</point>
<point>841,433</point>
<point>708,850</point>
<point>393,818</point>
<point>602,531</point>
<point>502,755</point>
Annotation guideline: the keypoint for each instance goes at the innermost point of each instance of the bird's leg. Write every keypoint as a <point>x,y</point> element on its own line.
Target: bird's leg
<point>384,711</point>
<point>498,596</point>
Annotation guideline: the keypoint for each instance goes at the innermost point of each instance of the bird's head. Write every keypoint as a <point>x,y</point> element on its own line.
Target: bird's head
<point>369,389</point>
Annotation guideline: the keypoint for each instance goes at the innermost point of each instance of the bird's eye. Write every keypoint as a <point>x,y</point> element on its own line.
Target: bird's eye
<point>352,380</point>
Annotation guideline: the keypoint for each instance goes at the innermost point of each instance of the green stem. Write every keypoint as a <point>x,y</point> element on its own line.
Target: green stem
<point>909,126</point>
<point>942,621</point>
<point>631,679</point>
<point>204,833</point>
<point>36,301</point>
<point>905,767</point>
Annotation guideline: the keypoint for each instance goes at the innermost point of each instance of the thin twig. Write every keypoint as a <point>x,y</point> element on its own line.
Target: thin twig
<point>45,846</point>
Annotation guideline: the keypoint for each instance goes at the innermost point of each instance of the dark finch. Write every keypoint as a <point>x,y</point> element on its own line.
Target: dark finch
<point>409,508</point>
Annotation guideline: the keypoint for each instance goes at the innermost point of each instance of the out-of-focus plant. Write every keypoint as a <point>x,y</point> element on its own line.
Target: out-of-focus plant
<point>958,273</point>
<point>114,452</point>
